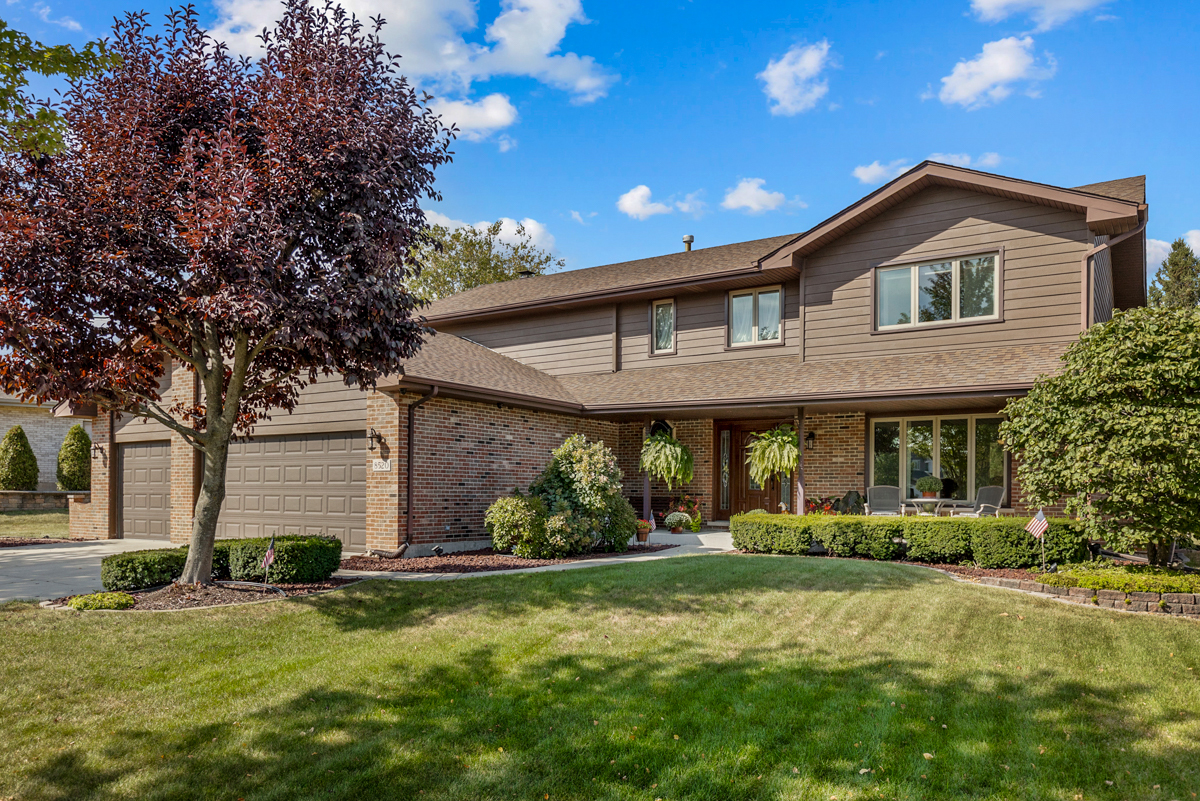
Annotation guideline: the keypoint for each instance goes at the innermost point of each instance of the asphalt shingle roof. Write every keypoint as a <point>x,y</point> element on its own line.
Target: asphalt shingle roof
<point>1131,189</point>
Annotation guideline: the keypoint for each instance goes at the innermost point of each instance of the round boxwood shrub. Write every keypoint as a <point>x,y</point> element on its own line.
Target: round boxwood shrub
<point>517,524</point>
<point>298,559</point>
<point>18,465</point>
<point>75,461</point>
<point>136,570</point>
<point>102,600</point>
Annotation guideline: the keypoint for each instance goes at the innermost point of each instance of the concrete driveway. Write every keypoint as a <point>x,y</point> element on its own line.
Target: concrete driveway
<point>42,572</point>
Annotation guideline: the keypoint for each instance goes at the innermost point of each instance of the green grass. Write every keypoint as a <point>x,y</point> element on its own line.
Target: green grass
<point>781,677</point>
<point>34,524</point>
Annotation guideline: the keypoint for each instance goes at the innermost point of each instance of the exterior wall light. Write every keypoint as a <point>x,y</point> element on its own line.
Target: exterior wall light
<point>374,440</point>
<point>97,451</point>
<point>810,440</point>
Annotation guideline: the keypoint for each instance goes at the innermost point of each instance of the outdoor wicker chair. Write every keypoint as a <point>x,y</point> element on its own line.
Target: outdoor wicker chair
<point>884,500</point>
<point>987,504</point>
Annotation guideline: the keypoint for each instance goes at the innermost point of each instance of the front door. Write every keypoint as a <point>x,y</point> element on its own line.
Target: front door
<point>735,490</point>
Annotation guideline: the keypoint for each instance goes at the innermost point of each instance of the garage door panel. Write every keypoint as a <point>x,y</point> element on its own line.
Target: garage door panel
<point>298,485</point>
<point>145,505</point>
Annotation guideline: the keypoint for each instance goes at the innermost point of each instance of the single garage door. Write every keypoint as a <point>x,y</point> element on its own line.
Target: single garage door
<point>145,489</point>
<point>308,484</point>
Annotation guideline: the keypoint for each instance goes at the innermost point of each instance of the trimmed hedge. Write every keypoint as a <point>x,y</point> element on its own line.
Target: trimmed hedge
<point>297,560</point>
<point>18,465</point>
<point>101,600</point>
<point>1124,578</point>
<point>989,541</point>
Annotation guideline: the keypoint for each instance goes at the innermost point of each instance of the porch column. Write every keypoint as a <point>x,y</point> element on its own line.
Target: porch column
<point>646,512</point>
<point>800,461</point>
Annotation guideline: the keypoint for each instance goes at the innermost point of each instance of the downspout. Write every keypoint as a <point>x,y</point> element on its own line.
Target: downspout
<point>1085,275</point>
<point>408,478</point>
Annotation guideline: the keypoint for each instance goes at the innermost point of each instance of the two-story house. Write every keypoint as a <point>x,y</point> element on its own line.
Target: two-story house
<point>890,335</point>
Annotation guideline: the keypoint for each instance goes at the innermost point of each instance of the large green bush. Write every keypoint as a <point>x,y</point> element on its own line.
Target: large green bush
<point>1004,542</point>
<point>75,461</point>
<point>136,570</point>
<point>939,540</point>
<point>517,524</point>
<point>990,541</point>
<point>18,465</point>
<point>298,559</point>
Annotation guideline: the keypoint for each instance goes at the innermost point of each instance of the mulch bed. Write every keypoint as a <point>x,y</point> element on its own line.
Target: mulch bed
<point>176,596</point>
<point>16,542</point>
<point>480,561</point>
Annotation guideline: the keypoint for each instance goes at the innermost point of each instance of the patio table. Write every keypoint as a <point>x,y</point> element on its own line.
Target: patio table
<point>921,505</point>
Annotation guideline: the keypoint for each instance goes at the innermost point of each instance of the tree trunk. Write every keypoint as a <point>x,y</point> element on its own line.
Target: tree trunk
<point>198,569</point>
<point>1158,553</point>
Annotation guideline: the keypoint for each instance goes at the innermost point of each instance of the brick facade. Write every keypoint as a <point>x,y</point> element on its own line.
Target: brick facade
<point>836,463</point>
<point>186,461</point>
<point>92,514</point>
<point>386,491</point>
<point>697,435</point>
<point>45,432</point>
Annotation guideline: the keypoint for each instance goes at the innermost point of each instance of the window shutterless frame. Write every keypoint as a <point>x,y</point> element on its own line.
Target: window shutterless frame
<point>756,321</point>
<point>936,447</point>
<point>956,259</point>
<point>668,308</point>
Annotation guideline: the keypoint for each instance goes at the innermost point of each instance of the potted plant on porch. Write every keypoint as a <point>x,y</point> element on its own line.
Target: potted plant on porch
<point>643,531</point>
<point>929,486</point>
<point>676,521</point>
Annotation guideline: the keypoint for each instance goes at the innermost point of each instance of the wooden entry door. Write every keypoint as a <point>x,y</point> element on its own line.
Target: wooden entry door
<point>742,493</point>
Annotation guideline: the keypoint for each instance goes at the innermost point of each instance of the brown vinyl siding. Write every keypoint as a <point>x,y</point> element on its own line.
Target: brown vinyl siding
<point>141,429</point>
<point>1040,300</point>
<point>324,407</point>
<point>558,343</point>
<point>700,331</point>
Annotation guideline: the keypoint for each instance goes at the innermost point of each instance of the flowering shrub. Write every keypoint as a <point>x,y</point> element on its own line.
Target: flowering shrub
<point>819,506</point>
<point>677,520</point>
<point>576,506</point>
<point>643,523</point>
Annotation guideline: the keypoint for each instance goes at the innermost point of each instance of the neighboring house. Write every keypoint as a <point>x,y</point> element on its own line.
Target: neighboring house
<point>891,335</point>
<point>45,432</point>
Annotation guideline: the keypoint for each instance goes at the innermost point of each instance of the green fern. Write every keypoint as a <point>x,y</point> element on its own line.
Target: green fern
<point>773,453</point>
<point>668,459</point>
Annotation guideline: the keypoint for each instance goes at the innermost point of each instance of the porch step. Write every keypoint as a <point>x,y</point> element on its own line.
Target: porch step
<point>721,524</point>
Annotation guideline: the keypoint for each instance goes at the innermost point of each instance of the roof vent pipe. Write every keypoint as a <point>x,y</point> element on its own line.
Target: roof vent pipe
<point>687,243</point>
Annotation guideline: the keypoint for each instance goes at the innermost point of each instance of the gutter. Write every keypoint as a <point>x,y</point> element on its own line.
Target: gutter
<point>1085,275</point>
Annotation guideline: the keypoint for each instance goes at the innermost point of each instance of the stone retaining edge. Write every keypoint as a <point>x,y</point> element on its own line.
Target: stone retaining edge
<point>1181,604</point>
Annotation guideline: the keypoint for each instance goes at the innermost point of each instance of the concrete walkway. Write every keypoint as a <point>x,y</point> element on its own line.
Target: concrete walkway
<point>42,572</point>
<point>707,541</point>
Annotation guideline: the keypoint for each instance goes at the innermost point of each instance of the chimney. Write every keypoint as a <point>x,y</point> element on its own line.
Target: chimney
<point>687,243</point>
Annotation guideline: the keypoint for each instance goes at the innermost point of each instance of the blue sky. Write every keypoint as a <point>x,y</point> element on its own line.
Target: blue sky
<point>613,129</point>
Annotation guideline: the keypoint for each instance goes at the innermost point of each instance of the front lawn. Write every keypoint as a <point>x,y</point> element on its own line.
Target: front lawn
<point>34,524</point>
<point>718,677</point>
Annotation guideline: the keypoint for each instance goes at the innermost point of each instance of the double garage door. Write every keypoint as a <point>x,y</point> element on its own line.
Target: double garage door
<point>309,484</point>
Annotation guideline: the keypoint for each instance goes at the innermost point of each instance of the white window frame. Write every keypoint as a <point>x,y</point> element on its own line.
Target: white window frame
<point>755,342</point>
<point>914,296</point>
<point>937,419</point>
<point>654,349</point>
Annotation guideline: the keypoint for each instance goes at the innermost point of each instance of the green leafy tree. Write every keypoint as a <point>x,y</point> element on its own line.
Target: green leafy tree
<point>18,465</point>
<point>1117,431</point>
<point>75,461</point>
<point>1178,282</point>
<point>667,459</point>
<point>773,453</point>
<point>453,260</point>
<point>28,125</point>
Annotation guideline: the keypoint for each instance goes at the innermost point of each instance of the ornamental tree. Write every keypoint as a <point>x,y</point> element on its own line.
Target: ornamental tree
<point>454,260</point>
<point>1117,431</point>
<point>249,220</point>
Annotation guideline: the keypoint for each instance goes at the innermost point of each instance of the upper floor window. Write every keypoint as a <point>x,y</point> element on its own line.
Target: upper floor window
<point>943,291</point>
<point>755,316</point>
<point>662,321</point>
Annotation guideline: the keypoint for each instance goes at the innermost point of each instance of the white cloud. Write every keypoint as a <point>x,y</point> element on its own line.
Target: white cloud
<point>793,82</point>
<point>750,196</point>
<point>523,40</point>
<point>1045,13</point>
<point>966,160</point>
<point>692,203</point>
<point>637,204</point>
<point>989,77</point>
<point>538,233</point>
<point>43,12</point>
<point>506,143</point>
<point>876,173</point>
<point>580,218</point>
<point>1156,251</point>
<point>477,119</point>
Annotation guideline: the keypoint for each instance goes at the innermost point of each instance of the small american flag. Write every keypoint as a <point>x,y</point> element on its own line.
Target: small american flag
<point>1038,525</point>
<point>269,557</point>
<point>652,526</point>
